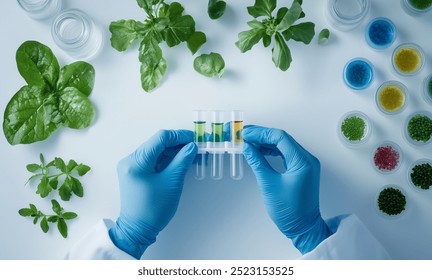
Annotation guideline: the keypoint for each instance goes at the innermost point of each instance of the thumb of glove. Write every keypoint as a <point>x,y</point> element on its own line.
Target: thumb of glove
<point>257,162</point>
<point>183,160</point>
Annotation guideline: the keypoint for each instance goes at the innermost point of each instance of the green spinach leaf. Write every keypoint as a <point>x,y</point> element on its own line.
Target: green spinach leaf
<point>52,98</point>
<point>31,115</point>
<point>196,41</point>
<point>210,65</point>
<point>216,8</point>
<point>78,75</point>
<point>37,64</point>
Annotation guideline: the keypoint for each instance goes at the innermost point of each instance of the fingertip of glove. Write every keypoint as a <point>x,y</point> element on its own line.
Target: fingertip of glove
<point>190,148</point>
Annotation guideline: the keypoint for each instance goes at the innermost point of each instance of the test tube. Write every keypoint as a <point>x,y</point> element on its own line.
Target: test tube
<point>200,140</point>
<point>217,145</point>
<point>236,155</point>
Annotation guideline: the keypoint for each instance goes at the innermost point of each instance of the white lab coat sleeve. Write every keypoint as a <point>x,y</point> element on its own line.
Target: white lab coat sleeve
<point>351,240</point>
<point>97,245</point>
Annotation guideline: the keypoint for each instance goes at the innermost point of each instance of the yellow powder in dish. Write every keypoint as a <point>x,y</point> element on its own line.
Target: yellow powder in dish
<point>408,60</point>
<point>391,98</point>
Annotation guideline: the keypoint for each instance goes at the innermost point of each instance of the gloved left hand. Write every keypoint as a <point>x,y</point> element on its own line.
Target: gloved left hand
<point>151,182</point>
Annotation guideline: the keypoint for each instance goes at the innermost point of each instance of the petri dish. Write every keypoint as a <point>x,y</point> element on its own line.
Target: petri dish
<point>408,59</point>
<point>358,73</point>
<point>427,89</point>
<point>41,9</point>
<point>354,128</point>
<point>417,7</point>
<point>391,97</point>
<point>391,201</point>
<point>387,157</point>
<point>380,33</point>
<point>77,34</point>
<point>420,175</point>
<point>418,128</point>
<point>346,14</point>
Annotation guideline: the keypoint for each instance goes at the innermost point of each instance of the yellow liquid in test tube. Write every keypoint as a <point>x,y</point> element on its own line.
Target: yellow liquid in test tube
<point>236,131</point>
<point>236,168</point>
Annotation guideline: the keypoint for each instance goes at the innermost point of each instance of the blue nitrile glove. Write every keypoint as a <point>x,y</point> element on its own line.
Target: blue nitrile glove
<point>151,182</point>
<point>292,197</point>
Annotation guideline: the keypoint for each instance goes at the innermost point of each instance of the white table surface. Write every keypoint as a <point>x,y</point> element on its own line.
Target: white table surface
<point>219,219</point>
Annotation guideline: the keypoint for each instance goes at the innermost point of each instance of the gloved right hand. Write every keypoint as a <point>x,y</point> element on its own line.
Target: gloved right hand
<point>291,198</point>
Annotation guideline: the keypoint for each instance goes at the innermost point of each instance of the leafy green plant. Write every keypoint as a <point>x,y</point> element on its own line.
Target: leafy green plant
<point>52,173</point>
<point>216,8</point>
<point>279,29</point>
<point>52,98</point>
<point>59,217</point>
<point>210,65</point>
<point>164,23</point>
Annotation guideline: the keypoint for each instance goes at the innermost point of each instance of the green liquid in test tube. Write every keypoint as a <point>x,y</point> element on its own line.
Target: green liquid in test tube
<point>200,129</point>
<point>217,144</point>
<point>201,141</point>
<point>236,170</point>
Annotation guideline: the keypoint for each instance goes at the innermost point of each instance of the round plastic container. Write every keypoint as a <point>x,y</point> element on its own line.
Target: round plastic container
<point>387,157</point>
<point>41,9</point>
<point>397,192</point>
<point>358,73</point>
<point>354,128</point>
<point>346,14</point>
<point>391,97</point>
<point>413,119</point>
<point>380,33</point>
<point>427,89</point>
<point>416,7</point>
<point>419,162</point>
<point>76,33</point>
<point>408,59</point>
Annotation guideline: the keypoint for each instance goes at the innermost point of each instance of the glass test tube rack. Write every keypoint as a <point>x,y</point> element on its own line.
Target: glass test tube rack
<point>213,146</point>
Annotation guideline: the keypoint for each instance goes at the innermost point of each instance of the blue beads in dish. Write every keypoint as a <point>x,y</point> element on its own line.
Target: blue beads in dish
<point>380,33</point>
<point>358,73</point>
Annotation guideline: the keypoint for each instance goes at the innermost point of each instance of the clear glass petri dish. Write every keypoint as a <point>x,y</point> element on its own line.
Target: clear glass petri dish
<point>346,14</point>
<point>387,157</point>
<point>408,59</point>
<point>391,97</point>
<point>417,129</point>
<point>41,9</point>
<point>419,175</point>
<point>417,7</point>
<point>77,34</point>
<point>358,73</point>
<point>427,89</point>
<point>354,129</point>
<point>391,196</point>
<point>380,33</point>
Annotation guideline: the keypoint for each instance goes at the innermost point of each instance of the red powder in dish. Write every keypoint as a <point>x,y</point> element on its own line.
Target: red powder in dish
<point>386,158</point>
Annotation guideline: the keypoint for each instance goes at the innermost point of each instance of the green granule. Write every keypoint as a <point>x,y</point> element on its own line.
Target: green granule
<point>421,4</point>
<point>421,176</point>
<point>353,128</point>
<point>420,128</point>
<point>430,87</point>
<point>391,201</point>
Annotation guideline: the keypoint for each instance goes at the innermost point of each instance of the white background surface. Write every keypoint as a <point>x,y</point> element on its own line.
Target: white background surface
<point>219,219</point>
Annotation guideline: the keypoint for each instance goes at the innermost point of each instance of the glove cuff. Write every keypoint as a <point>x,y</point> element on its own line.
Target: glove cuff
<point>308,240</point>
<point>124,235</point>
